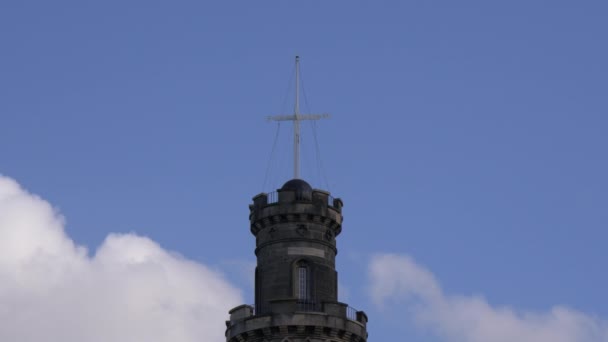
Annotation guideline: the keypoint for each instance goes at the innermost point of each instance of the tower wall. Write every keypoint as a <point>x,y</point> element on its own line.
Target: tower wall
<point>296,283</point>
<point>296,326</point>
<point>292,233</point>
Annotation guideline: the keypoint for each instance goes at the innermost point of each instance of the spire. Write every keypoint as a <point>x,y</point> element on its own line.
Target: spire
<point>296,118</point>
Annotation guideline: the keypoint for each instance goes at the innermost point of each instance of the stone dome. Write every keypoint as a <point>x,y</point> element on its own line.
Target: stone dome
<point>302,189</point>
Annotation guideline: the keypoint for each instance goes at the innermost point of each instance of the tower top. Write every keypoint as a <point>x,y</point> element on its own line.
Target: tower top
<point>296,281</point>
<point>296,118</point>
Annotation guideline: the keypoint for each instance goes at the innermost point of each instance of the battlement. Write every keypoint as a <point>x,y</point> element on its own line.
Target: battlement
<point>292,205</point>
<point>333,320</point>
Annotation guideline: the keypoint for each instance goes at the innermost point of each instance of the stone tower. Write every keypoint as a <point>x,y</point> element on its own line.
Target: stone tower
<point>296,283</point>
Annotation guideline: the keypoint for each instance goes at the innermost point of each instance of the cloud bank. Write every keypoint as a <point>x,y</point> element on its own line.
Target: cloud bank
<point>396,279</point>
<point>130,290</point>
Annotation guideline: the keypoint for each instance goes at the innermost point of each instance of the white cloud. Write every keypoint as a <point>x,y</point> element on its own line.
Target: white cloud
<point>396,279</point>
<point>131,290</point>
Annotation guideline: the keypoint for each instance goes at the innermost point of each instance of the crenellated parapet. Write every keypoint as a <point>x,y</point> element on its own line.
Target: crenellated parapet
<point>319,208</point>
<point>331,324</point>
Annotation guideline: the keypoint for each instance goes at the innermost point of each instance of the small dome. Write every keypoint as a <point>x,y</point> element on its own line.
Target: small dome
<point>302,189</point>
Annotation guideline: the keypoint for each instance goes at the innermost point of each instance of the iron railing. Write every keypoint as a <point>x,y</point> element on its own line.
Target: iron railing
<point>306,305</point>
<point>311,306</point>
<point>273,197</point>
<point>351,313</point>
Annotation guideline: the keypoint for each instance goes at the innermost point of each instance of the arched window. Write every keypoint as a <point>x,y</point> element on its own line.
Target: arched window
<point>302,281</point>
<point>303,288</point>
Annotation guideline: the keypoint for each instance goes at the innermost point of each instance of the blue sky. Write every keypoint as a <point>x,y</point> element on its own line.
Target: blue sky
<point>467,135</point>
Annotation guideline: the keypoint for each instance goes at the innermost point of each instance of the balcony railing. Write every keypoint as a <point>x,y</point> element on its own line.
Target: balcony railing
<point>273,197</point>
<point>311,306</point>
<point>306,305</point>
<point>351,313</point>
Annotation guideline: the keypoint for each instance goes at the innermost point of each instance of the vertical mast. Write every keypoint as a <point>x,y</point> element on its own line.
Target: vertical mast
<point>296,118</point>
<point>296,124</point>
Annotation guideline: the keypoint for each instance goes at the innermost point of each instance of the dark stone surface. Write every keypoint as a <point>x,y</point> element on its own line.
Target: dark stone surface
<point>301,188</point>
<point>297,230</point>
<point>297,185</point>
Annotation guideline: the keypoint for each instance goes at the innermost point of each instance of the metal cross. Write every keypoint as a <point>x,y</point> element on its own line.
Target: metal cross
<point>296,118</point>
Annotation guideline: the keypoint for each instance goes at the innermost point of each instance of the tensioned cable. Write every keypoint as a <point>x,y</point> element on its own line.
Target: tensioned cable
<point>293,72</point>
<point>319,159</point>
<point>272,154</point>
<point>269,166</point>
<point>304,92</point>
<point>320,168</point>
<point>311,122</point>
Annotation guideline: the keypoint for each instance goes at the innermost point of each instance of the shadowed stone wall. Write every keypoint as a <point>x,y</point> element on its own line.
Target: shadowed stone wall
<point>296,283</point>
